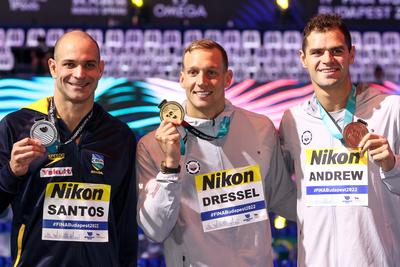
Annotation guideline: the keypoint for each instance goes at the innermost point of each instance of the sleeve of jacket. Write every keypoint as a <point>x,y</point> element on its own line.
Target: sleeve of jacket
<point>159,194</point>
<point>280,189</point>
<point>392,177</point>
<point>286,127</point>
<point>126,208</point>
<point>9,183</point>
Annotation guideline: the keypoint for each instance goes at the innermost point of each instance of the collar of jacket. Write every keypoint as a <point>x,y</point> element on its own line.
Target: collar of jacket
<point>196,122</point>
<point>364,94</point>
<point>42,106</point>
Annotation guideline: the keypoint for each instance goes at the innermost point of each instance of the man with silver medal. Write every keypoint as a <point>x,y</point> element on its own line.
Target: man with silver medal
<point>343,148</point>
<point>67,170</point>
<point>211,172</point>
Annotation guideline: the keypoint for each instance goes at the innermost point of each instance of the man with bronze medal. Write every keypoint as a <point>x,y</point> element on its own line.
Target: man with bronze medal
<point>211,171</point>
<point>67,170</point>
<point>343,146</point>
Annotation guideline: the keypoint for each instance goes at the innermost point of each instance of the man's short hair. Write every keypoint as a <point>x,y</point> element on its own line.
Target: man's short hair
<point>324,23</point>
<point>206,44</point>
<point>84,34</point>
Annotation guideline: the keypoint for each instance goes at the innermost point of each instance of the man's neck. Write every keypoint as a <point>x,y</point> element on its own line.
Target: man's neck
<point>208,114</point>
<point>333,99</point>
<point>72,113</point>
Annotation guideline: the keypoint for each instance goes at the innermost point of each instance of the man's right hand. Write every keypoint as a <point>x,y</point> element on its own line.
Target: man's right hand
<point>169,139</point>
<point>23,153</point>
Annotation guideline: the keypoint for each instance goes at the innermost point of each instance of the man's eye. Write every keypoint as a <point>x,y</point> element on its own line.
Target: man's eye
<point>69,65</point>
<point>90,65</point>
<point>212,73</point>
<point>192,72</point>
<point>316,52</point>
<point>337,51</point>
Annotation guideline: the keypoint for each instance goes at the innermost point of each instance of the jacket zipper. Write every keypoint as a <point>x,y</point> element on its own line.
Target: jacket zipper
<point>335,245</point>
<point>19,244</point>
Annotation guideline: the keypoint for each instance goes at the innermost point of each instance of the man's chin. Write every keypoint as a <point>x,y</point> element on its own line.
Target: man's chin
<point>79,88</point>
<point>79,99</point>
<point>201,103</point>
<point>328,81</point>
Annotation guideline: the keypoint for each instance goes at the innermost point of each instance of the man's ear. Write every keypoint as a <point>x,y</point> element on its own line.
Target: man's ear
<point>52,67</point>
<point>352,54</point>
<point>101,67</point>
<point>229,77</point>
<point>303,59</point>
<point>181,77</point>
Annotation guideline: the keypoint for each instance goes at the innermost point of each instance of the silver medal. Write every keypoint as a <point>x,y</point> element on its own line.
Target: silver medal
<point>44,131</point>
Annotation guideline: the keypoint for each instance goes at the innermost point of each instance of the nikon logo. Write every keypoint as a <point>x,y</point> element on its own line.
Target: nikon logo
<point>72,191</point>
<point>328,156</point>
<point>222,179</point>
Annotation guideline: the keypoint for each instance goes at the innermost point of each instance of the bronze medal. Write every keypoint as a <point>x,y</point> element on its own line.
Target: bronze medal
<point>172,111</point>
<point>44,131</point>
<point>353,133</point>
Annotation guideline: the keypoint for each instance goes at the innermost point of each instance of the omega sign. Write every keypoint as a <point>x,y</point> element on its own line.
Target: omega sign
<point>180,9</point>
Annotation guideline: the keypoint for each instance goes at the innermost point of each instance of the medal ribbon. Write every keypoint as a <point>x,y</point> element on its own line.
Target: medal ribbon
<point>78,130</point>
<point>223,130</point>
<point>334,129</point>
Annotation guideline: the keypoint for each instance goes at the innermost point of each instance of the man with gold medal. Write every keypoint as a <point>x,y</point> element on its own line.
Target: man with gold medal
<point>211,172</point>
<point>343,147</point>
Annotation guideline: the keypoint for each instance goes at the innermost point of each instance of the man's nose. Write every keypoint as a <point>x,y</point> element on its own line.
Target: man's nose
<point>202,79</point>
<point>79,71</point>
<point>327,56</point>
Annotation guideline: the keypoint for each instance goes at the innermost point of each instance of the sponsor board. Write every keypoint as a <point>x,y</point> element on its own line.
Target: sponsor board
<point>76,212</point>
<point>230,198</point>
<point>336,177</point>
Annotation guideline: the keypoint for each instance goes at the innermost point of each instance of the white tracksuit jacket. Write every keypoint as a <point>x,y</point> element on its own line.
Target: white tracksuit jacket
<point>348,236</point>
<point>168,209</point>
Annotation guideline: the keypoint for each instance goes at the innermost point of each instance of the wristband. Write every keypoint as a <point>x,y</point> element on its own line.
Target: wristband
<point>167,170</point>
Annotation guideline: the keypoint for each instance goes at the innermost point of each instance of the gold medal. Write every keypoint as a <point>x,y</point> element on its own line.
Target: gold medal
<point>171,111</point>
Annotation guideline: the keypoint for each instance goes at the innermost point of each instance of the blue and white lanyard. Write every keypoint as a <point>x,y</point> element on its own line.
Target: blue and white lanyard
<point>334,129</point>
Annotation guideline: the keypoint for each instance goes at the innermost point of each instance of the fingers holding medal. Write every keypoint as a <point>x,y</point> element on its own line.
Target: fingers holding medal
<point>167,135</point>
<point>23,153</point>
<point>356,134</point>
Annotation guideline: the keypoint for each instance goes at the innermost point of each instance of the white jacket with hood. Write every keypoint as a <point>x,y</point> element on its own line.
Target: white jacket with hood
<point>168,209</point>
<point>351,235</point>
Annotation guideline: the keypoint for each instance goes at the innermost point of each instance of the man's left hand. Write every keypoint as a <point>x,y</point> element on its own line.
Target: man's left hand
<point>379,149</point>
